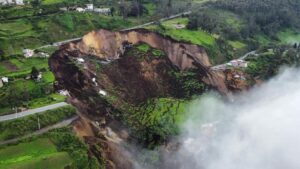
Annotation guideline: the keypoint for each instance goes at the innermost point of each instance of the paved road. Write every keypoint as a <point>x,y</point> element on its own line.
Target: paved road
<point>60,43</point>
<point>135,27</point>
<point>31,111</point>
<point>160,20</point>
<point>63,123</point>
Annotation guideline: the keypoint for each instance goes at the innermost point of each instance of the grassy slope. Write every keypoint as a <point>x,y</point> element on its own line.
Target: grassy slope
<point>23,66</point>
<point>37,154</point>
<point>22,126</point>
<point>31,33</point>
<point>289,36</point>
<point>198,37</point>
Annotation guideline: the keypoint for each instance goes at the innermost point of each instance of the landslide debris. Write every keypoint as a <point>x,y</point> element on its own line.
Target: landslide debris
<point>122,81</point>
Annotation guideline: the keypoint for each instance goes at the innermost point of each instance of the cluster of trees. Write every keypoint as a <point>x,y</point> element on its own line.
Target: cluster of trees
<point>66,140</point>
<point>260,16</point>
<point>137,8</point>
<point>169,7</point>
<point>133,8</point>
<point>15,95</point>
<point>267,64</point>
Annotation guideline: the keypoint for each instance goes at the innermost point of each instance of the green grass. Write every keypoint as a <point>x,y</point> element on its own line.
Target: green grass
<point>155,120</point>
<point>23,63</point>
<point>39,31</point>
<point>44,101</point>
<point>172,22</point>
<point>48,77</point>
<point>24,66</point>
<point>5,110</point>
<point>3,69</point>
<point>143,47</point>
<point>262,39</point>
<point>237,44</point>
<point>230,19</point>
<point>198,37</point>
<point>25,125</point>
<point>58,160</point>
<point>48,2</point>
<point>289,36</point>
<point>36,154</point>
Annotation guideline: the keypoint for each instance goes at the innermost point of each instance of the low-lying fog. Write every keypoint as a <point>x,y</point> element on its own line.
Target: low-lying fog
<point>259,130</point>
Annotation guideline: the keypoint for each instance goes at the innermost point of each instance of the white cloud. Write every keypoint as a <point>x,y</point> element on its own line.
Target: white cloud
<point>259,130</point>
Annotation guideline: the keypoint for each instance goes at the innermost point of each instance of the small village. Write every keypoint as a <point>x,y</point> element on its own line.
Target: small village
<point>11,2</point>
<point>86,8</point>
<point>89,8</point>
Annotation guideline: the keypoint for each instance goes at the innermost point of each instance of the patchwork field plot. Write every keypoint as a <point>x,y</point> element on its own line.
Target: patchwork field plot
<point>37,154</point>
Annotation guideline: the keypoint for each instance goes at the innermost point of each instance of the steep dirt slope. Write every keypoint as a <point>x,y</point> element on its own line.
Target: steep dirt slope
<point>104,77</point>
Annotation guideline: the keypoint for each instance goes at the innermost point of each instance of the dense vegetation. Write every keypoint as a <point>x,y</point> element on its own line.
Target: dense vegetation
<point>257,16</point>
<point>35,154</point>
<point>268,62</point>
<point>57,149</point>
<point>66,141</point>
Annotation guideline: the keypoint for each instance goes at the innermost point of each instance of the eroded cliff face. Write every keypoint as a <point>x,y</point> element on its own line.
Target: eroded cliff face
<point>111,45</point>
<point>104,78</point>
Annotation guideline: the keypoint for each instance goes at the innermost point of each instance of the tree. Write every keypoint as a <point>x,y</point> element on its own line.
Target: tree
<point>295,45</point>
<point>34,73</point>
<point>2,57</point>
<point>124,8</point>
<point>169,7</point>
<point>35,3</point>
<point>137,9</point>
<point>112,11</point>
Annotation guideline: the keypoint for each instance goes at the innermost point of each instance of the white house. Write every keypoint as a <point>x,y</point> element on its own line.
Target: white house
<point>39,77</point>
<point>63,9</point>
<point>244,64</point>
<point>4,79</point>
<point>64,92</point>
<point>80,10</point>
<point>80,60</point>
<point>19,2</point>
<point>105,11</point>
<point>11,2</point>
<point>238,63</point>
<point>28,53</point>
<point>102,92</point>
<point>89,7</point>
<point>234,63</point>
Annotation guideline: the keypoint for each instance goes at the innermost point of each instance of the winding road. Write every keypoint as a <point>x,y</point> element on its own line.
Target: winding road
<point>135,27</point>
<point>31,111</point>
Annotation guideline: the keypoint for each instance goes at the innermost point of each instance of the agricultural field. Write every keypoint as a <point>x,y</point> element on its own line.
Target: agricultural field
<point>28,94</point>
<point>36,154</point>
<point>28,124</point>
<point>198,37</point>
<point>20,66</point>
<point>36,32</point>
